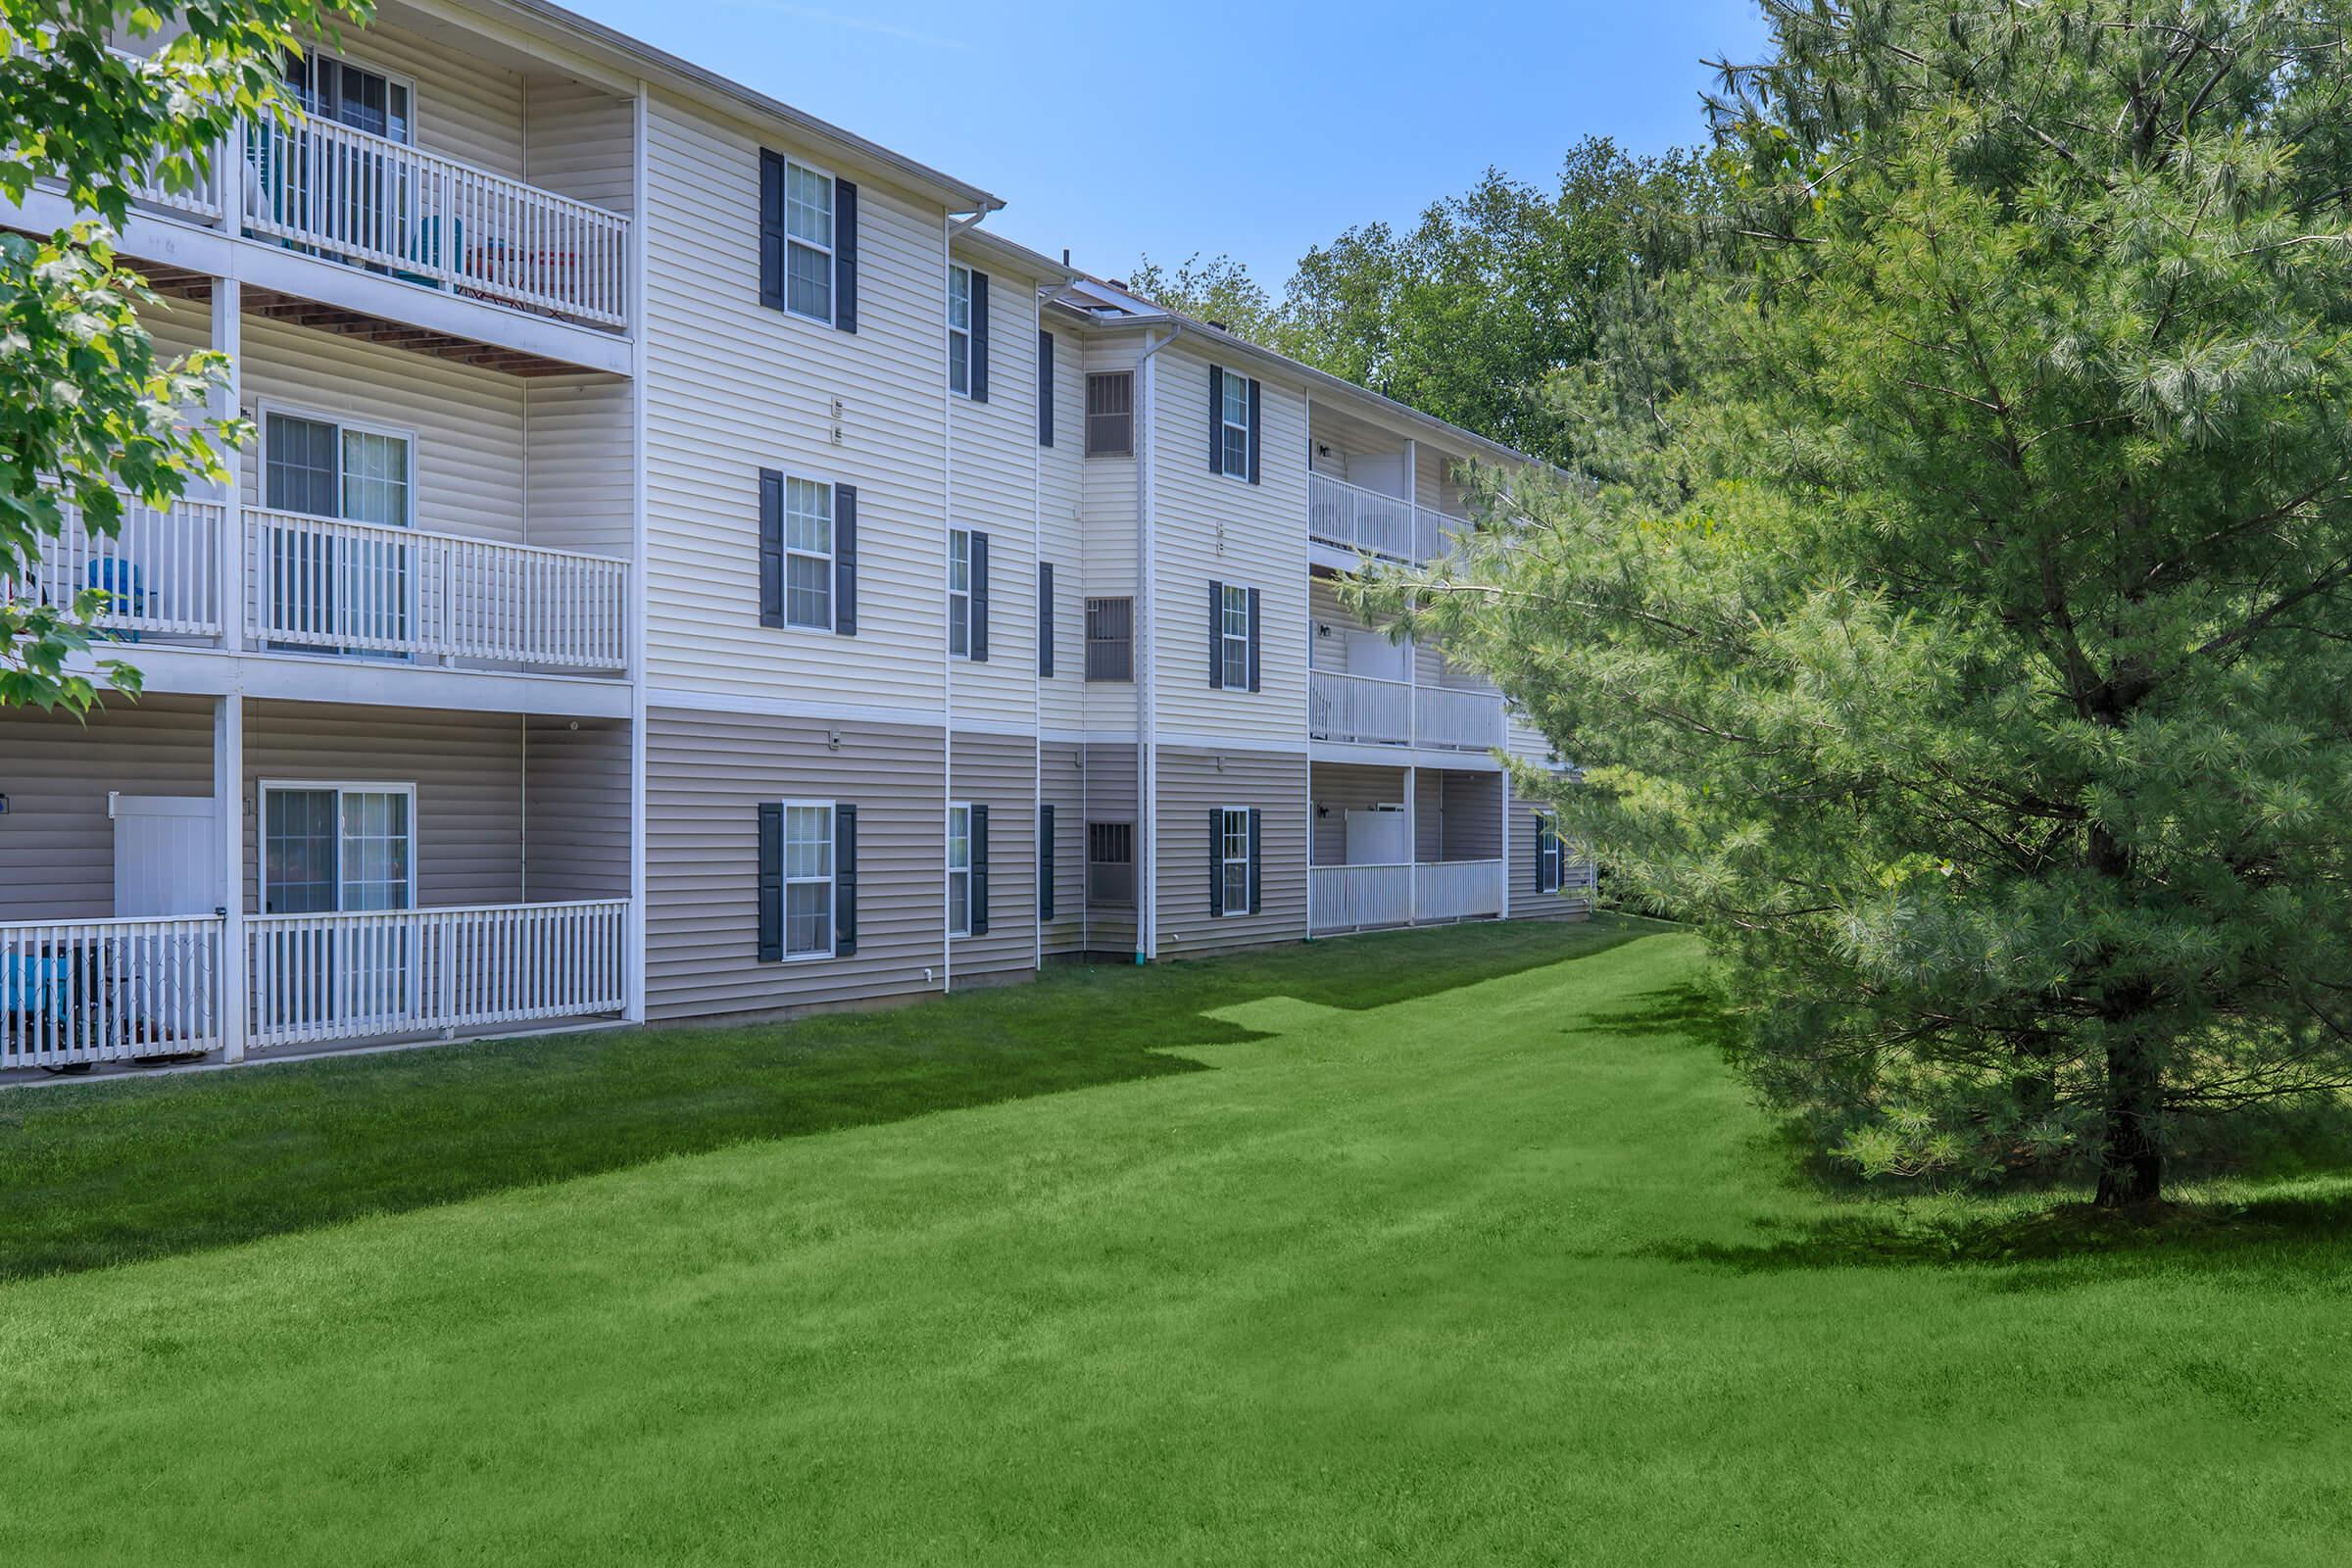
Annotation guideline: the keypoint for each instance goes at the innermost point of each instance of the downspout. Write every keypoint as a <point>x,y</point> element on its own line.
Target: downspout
<point>1146,708</point>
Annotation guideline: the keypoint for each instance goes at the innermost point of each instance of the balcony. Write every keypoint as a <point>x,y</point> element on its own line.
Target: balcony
<point>1349,516</point>
<point>1358,898</point>
<point>338,587</point>
<point>1363,711</point>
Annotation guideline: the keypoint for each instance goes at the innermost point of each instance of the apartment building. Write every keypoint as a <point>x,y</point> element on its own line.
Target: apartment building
<point>692,566</point>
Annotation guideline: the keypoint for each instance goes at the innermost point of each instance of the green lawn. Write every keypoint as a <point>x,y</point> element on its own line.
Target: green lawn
<point>1450,1246</point>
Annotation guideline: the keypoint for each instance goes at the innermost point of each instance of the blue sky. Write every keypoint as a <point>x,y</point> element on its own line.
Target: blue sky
<point>1319,115</point>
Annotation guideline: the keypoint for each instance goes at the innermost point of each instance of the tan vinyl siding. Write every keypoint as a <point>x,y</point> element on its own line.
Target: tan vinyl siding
<point>467,769</point>
<point>1211,527</point>
<point>1064,781</point>
<point>999,772</point>
<point>57,844</point>
<point>1470,817</point>
<point>1106,501</point>
<point>706,774</point>
<point>732,387</point>
<point>578,142</point>
<point>1192,783</point>
<point>1062,539</point>
<point>579,480</point>
<point>466,105</point>
<point>1526,903</point>
<point>994,491</point>
<point>575,797</point>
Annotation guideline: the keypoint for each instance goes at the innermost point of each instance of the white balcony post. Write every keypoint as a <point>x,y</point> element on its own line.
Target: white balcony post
<point>1413,500</point>
<point>229,804</point>
<point>1504,794</point>
<point>229,551</point>
<point>1412,846</point>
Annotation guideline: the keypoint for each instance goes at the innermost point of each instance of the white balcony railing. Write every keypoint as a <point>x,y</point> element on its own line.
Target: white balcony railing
<point>1350,516</point>
<point>161,569</point>
<point>326,977</point>
<point>73,992</point>
<point>1458,718</point>
<point>1350,897</point>
<point>1435,531</point>
<point>1457,890</point>
<point>1358,709</point>
<point>320,582</point>
<point>431,219</point>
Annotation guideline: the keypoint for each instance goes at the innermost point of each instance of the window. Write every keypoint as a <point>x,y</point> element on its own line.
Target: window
<point>807,554</point>
<point>325,468</point>
<point>808,879</point>
<point>959,870</point>
<point>1110,414</point>
<point>1045,388</point>
<point>1111,866</point>
<point>1547,855</point>
<point>1234,868</point>
<point>808,248</point>
<point>1233,636</point>
<point>337,90</point>
<point>1234,424</point>
<point>1111,639</point>
<point>1045,619</point>
<point>325,592</point>
<point>959,331</point>
<point>331,848</point>
<point>959,592</point>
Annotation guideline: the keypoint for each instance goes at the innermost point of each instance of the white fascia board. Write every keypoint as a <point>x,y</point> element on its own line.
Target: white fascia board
<point>365,682</point>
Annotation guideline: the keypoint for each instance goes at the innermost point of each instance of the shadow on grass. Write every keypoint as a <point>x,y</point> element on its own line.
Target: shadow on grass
<point>114,1170</point>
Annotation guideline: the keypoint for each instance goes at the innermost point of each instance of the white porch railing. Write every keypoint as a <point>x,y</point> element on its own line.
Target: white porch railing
<point>160,569</point>
<point>1457,890</point>
<point>1353,517</point>
<point>1434,533</point>
<point>1359,709</point>
<point>1455,717</point>
<point>319,582</point>
<point>84,991</point>
<point>324,978</point>
<point>432,220</point>
<point>1349,897</point>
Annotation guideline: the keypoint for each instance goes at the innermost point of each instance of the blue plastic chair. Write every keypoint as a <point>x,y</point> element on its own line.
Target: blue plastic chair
<point>120,578</point>
<point>31,986</point>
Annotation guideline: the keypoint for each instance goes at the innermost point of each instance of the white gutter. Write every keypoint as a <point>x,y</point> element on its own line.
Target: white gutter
<point>1147,708</point>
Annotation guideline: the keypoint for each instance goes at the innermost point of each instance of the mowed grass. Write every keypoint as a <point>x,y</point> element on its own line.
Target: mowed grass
<point>1452,1247</point>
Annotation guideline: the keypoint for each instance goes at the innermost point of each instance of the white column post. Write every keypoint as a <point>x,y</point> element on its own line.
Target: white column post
<point>1505,796</point>
<point>1412,498</point>
<point>228,802</point>
<point>229,549</point>
<point>1412,845</point>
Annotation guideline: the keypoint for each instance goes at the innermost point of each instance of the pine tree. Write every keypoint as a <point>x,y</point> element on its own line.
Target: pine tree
<point>1953,605</point>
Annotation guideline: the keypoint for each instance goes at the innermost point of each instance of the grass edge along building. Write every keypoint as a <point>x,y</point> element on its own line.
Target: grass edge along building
<point>690,567</point>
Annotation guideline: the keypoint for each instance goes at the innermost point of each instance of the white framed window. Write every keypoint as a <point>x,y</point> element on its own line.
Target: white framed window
<point>337,849</point>
<point>1547,855</point>
<point>331,89</point>
<point>808,879</point>
<point>1235,424</point>
<point>807,554</point>
<point>959,869</point>
<point>959,331</point>
<point>808,241</point>
<point>1233,636</point>
<point>1235,868</point>
<point>959,592</point>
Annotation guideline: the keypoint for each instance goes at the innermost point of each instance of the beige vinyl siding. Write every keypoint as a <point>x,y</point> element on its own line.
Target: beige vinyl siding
<point>1111,797</point>
<point>1190,784</point>
<point>994,491</point>
<point>1526,903</point>
<point>1107,500</point>
<point>1343,787</point>
<point>1433,482</point>
<point>999,772</point>
<point>1469,816</point>
<point>467,769</point>
<point>579,142</point>
<point>731,387</point>
<point>467,104</point>
<point>1063,780</point>
<point>706,774</point>
<point>1211,527</point>
<point>575,796</point>
<point>579,486</point>
<point>1061,537</point>
<point>57,844</point>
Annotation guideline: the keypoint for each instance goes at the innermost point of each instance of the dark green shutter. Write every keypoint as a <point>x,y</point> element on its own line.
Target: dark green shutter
<point>979,628</point>
<point>771,548</point>
<point>1044,863</point>
<point>770,919</point>
<point>1217,419</point>
<point>1045,618</point>
<point>844,880</point>
<point>1538,839</point>
<point>979,898</point>
<point>1216,636</point>
<point>1256,407</point>
<point>1216,860</point>
<point>979,337</point>
<point>771,229</point>
<point>1255,904</point>
<point>1045,388</point>
<point>845,560</point>
<point>1253,623</point>
<point>844,255</point>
